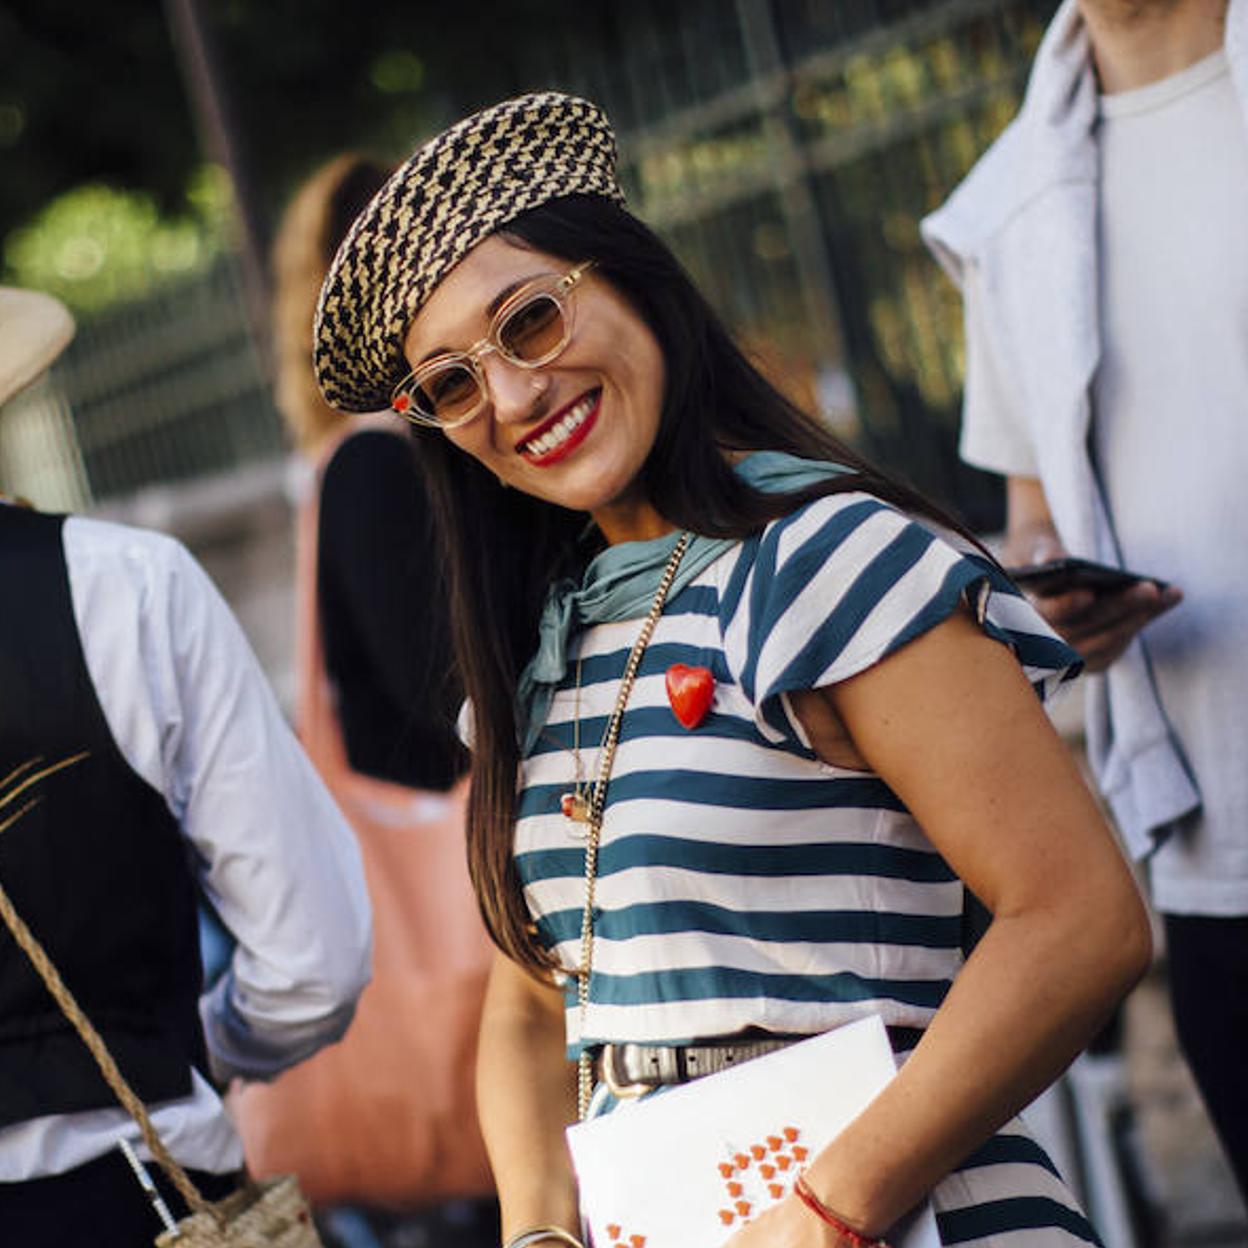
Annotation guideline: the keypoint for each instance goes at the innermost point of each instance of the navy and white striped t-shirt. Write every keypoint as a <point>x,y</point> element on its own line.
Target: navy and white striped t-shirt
<point>742,882</point>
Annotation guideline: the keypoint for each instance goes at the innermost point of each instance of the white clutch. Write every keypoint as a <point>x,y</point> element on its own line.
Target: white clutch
<point>689,1167</point>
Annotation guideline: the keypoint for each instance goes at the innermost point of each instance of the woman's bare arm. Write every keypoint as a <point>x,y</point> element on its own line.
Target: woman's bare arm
<point>526,1096</point>
<point>952,725</point>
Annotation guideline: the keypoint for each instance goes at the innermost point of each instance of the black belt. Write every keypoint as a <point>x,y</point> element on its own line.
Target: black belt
<point>631,1070</point>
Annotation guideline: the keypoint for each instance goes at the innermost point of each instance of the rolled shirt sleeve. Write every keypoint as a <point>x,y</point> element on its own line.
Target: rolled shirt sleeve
<point>193,714</point>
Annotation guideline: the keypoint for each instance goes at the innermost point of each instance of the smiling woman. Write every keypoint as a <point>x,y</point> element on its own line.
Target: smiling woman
<point>628,507</point>
<point>574,423</point>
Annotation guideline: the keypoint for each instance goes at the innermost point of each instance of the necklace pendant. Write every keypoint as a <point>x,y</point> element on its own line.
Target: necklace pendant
<point>575,806</point>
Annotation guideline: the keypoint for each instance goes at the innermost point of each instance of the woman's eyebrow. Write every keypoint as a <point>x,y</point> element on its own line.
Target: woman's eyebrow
<point>490,308</point>
<point>507,292</point>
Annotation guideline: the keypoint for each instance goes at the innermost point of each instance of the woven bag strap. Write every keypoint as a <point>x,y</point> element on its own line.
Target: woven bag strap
<point>92,1038</point>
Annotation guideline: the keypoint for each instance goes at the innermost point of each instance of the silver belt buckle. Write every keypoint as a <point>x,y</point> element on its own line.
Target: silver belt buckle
<point>612,1077</point>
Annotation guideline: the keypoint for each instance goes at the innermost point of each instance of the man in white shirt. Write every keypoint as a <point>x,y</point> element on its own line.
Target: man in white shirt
<point>140,747</point>
<point>1103,256</point>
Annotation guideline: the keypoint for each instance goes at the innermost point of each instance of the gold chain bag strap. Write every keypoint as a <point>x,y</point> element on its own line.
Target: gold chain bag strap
<point>597,808</point>
<point>272,1214</point>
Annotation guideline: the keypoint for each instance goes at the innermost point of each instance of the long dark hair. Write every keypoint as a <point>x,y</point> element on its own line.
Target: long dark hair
<point>504,547</point>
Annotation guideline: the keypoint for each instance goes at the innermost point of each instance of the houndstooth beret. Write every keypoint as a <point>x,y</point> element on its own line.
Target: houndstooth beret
<point>460,186</point>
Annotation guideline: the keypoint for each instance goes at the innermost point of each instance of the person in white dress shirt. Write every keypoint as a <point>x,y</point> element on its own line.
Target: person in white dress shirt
<point>124,657</point>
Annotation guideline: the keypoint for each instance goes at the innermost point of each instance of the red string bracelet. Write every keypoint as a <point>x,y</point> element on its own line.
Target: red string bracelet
<point>802,1190</point>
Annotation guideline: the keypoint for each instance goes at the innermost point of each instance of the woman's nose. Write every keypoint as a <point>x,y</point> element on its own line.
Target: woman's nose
<point>514,392</point>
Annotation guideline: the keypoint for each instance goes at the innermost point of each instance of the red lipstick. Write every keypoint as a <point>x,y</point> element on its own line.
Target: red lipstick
<point>562,449</point>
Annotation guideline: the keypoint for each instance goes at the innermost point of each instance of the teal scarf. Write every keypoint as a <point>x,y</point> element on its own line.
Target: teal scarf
<point>620,584</point>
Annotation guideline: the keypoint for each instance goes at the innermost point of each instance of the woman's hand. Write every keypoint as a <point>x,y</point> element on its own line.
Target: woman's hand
<point>788,1224</point>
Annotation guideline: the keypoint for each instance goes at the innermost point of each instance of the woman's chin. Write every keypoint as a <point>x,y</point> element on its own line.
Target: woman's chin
<point>574,486</point>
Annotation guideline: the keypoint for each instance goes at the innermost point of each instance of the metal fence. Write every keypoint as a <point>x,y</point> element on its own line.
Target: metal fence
<point>786,148</point>
<point>166,389</point>
<point>796,195</point>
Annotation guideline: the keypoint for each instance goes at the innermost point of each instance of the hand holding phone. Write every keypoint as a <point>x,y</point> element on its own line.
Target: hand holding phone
<point>1095,607</point>
<point>1060,576</point>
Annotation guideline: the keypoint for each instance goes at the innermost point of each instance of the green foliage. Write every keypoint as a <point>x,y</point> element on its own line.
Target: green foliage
<point>89,93</point>
<point>397,72</point>
<point>93,97</point>
<point>97,245</point>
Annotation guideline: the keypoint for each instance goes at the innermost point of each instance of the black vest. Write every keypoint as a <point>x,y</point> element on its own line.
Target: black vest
<point>96,867</point>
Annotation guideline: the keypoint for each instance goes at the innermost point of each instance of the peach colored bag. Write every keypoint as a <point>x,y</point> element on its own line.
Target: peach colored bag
<point>387,1116</point>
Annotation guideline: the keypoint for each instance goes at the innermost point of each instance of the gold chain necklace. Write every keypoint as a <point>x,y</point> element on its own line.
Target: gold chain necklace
<point>597,807</point>
<point>575,803</point>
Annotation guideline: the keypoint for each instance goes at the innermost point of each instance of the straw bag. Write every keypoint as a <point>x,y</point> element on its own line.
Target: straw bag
<point>267,1215</point>
<point>272,1214</point>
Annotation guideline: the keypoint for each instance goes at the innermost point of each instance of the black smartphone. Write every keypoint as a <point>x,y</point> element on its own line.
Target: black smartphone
<point>1059,576</point>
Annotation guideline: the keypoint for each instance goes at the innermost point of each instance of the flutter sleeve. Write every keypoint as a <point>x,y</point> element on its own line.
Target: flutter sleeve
<point>835,587</point>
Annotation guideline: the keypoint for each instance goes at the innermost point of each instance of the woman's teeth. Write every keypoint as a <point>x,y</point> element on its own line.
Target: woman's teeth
<point>557,436</point>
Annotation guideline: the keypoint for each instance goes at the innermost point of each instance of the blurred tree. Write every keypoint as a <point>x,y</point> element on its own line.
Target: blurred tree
<point>89,93</point>
<point>310,77</point>
<point>97,245</point>
<point>94,93</point>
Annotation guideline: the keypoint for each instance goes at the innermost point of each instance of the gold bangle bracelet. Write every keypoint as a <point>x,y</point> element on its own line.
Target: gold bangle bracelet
<point>543,1234</point>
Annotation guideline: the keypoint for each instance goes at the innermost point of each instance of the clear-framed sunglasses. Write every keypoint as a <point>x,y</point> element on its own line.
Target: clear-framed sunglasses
<point>530,329</point>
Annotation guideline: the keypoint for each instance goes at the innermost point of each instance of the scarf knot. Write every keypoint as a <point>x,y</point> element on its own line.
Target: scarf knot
<point>620,584</point>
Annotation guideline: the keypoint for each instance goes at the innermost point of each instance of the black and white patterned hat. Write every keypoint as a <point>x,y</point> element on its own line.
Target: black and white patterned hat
<point>459,187</point>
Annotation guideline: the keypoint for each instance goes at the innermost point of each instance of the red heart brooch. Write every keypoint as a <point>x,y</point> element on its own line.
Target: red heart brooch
<point>690,690</point>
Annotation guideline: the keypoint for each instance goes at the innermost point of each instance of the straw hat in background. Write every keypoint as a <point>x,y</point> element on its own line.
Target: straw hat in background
<point>34,329</point>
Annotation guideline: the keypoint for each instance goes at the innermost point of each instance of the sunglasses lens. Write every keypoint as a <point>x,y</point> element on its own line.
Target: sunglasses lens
<point>534,331</point>
<point>531,332</point>
<point>446,393</point>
